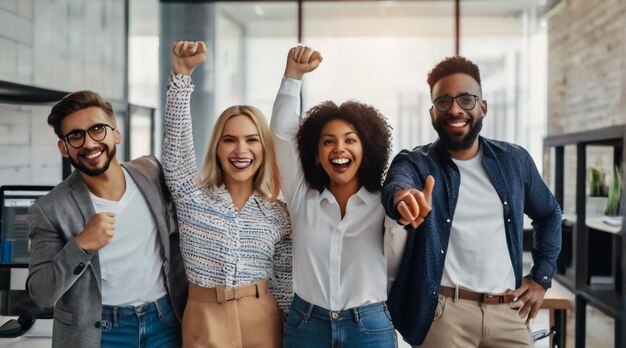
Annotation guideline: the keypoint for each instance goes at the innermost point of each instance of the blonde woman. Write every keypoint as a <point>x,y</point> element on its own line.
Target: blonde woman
<point>235,234</point>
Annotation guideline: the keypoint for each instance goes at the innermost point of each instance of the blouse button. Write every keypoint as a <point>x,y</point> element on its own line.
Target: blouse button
<point>448,220</point>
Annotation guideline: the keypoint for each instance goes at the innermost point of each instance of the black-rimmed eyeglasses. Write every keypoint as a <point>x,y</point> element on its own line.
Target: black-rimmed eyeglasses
<point>97,132</point>
<point>466,101</point>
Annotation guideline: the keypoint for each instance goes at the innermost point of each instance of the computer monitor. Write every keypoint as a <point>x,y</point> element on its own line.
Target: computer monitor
<point>14,220</point>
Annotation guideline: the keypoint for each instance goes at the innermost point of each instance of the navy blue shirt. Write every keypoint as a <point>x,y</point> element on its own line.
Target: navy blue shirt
<point>413,296</point>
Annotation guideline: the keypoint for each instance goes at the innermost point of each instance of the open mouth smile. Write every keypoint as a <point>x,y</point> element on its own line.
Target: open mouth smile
<point>240,163</point>
<point>457,123</point>
<point>341,164</point>
<point>93,155</point>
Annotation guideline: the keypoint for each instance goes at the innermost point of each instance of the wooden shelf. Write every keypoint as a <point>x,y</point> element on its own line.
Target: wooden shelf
<point>604,297</point>
<point>598,224</point>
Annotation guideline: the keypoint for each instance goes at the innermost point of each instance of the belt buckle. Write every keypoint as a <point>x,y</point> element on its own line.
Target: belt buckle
<point>224,294</point>
<point>230,294</point>
<point>485,297</point>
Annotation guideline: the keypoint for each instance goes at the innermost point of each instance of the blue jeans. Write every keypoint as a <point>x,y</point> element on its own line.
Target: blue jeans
<point>311,326</point>
<point>153,324</point>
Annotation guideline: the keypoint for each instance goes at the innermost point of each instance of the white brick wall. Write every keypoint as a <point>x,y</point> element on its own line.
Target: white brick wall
<point>75,44</point>
<point>586,70</point>
<point>586,75</point>
<point>27,147</point>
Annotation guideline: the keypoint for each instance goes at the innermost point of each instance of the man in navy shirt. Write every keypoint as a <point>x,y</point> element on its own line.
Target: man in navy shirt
<point>459,279</point>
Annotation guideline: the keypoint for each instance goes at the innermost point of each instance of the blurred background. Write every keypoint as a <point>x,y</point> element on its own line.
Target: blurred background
<point>553,73</point>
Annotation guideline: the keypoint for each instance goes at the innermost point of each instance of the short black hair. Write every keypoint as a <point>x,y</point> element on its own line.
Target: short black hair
<point>452,65</point>
<point>371,127</point>
<point>74,102</point>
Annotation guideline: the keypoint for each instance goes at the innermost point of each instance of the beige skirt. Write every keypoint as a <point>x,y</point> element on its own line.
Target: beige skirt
<point>242,317</point>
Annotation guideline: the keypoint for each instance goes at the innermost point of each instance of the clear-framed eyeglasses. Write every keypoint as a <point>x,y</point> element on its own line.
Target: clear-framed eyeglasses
<point>97,132</point>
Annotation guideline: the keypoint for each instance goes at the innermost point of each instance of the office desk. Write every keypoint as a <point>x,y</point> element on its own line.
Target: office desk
<point>558,301</point>
<point>39,336</point>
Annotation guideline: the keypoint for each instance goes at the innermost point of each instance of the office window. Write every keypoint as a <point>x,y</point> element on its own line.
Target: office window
<point>508,41</point>
<point>379,53</point>
<point>252,39</point>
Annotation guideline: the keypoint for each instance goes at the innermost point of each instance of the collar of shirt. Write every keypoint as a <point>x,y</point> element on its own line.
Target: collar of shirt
<point>368,198</point>
<point>222,194</point>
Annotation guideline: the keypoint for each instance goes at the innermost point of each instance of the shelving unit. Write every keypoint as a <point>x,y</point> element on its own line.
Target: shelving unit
<point>606,296</point>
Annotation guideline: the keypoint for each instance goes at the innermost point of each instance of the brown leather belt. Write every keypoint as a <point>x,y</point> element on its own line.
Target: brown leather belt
<point>222,294</point>
<point>476,296</point>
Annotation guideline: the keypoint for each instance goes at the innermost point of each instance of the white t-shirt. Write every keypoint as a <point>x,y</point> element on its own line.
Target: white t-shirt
<point>131,264</point>
<point>478,257</point>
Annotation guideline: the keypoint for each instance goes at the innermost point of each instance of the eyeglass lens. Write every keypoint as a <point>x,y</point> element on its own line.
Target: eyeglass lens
<point>97,132</point>
<point>465,101</point>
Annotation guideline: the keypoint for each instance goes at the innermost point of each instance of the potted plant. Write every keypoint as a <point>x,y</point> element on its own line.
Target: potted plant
<point>596,183</point>
<point>613,203</point>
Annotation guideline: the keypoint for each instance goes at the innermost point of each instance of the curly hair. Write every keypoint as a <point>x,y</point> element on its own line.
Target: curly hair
<point>452,65</point>
<point>371,127</point>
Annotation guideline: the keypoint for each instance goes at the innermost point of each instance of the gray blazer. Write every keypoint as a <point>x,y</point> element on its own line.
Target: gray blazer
<point>62,275</point>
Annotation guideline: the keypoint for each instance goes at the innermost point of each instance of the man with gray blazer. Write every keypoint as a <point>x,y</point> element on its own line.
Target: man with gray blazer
<point>104,242</point>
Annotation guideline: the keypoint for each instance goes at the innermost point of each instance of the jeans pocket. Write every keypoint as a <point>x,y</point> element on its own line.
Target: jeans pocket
<point>441,305</point>
<point>167,316</point>
<point>388,314</point>
<point>376,322</point>
<point>295,319</point>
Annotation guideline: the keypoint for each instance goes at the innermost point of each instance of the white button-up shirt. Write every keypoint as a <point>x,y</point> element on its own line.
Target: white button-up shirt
<point>338,263</point>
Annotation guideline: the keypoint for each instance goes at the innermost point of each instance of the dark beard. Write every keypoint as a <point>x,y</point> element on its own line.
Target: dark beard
<point>455,144</point>
<point>95,171</point>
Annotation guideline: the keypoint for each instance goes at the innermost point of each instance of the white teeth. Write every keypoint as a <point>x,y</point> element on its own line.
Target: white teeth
<point>457,124</point>
<point>340,161</point>
<point>241,163</point>
<point>94,154</point>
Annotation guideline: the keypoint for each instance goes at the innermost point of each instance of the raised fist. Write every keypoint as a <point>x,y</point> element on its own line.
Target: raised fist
<point>301,60</point>
<point>186,55</point>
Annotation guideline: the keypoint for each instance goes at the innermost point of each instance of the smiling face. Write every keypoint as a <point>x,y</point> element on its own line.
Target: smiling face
<point>239,151</point>
<point>94,157</point>
<point>458,129</point>
<point>340,152</point>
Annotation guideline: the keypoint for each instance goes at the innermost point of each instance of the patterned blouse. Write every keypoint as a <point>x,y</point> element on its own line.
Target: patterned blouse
<point>220,246</point>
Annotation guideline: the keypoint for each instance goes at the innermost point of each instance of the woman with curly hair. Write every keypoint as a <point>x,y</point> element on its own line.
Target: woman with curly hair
<point>333,196</point>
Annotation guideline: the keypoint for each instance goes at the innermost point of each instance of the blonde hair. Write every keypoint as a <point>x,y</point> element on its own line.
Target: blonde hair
<point>266,180</point>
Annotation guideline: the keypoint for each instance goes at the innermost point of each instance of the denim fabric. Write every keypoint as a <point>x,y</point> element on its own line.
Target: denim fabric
<point>152,324</point>
<point>310,326</point>
<point>413,296</point>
